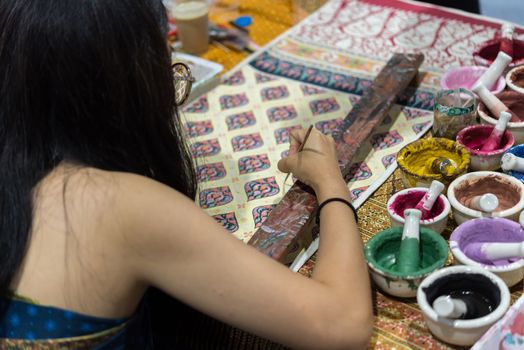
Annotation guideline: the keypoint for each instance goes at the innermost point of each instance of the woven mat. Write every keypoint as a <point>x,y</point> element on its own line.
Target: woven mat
<point>314,74</point>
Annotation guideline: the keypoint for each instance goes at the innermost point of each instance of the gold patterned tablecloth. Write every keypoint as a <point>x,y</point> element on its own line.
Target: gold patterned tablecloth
<point>398,323</point>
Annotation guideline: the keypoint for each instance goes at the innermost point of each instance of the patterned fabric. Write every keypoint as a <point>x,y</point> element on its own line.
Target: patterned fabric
<point>27,325</point>
<point>242,144</point>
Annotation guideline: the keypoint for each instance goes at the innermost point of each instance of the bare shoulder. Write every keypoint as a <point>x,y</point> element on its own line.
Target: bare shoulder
<point>107,190</point>
<point>107,203</point>
<point>142,213</point>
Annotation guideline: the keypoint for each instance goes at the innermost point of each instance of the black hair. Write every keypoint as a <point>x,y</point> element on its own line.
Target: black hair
<point>86,82</point>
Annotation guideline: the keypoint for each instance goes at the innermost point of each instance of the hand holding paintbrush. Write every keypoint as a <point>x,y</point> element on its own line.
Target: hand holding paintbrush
<point>308,132</point>
<point>312,158</point>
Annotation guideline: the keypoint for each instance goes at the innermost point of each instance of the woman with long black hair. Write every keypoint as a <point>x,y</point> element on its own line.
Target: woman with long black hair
<point>97,189</point>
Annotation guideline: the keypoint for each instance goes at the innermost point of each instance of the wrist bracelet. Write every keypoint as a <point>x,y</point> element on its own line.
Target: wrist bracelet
<point>335,199</point>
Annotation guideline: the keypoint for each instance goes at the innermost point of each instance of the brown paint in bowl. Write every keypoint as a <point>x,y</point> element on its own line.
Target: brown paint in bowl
<point>512,99</point>
<point>507,193</point>
<point>517,77</point>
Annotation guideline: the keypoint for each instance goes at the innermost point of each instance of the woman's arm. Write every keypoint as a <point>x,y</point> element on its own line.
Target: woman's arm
<point>172,244</point>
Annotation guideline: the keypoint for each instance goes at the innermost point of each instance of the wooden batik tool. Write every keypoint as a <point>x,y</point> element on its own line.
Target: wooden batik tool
<point>280,235</point>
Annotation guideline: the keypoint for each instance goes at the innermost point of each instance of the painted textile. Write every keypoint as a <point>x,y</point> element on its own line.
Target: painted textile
<point>314,74</point>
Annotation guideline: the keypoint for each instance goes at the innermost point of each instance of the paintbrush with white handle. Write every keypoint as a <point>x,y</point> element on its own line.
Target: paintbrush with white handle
<point>426,203</point>
<point>486,203</point>
<point>448,307</point>
<point>488,252</point>
<point>494,139</point>
<point>511,162</point>
<point>492,102</point>
<point>506,38</point>
<point>494,71</point>
<point>408,259</point>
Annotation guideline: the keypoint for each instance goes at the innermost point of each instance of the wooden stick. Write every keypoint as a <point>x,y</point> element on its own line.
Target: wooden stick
<point>283,229</point>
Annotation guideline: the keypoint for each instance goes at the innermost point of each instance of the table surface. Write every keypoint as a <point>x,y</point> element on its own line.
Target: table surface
<point>397,322</point>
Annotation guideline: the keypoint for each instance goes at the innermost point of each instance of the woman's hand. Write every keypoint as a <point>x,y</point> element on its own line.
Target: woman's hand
<point>316,165</point>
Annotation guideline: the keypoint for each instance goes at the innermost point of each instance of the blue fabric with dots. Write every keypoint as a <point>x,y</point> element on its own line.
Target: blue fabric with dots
<point>25,320</point>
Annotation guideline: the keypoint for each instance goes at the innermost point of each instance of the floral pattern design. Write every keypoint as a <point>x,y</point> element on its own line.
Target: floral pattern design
<point>252,164</point>
<point>228,221</point>
<point>386,139</point>
<point>261,188</point>
<point>274,93</point>
<point>323,106</point>
<point>210,172</point>
<point>245,142</point>
<point>261,213</point>
<point>282,134</point>
<point>205,148</point>
<point>240,120</point>
<point>233,101</point>
<point>215,197</point>
<point>277,114</point>
<point>199,128</point>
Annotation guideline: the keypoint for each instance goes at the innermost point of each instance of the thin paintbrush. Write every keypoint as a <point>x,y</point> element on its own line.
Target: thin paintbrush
<point>301,148</point>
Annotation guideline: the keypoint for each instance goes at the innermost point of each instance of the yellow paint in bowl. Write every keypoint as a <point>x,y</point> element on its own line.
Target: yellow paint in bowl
<point>431,159</point>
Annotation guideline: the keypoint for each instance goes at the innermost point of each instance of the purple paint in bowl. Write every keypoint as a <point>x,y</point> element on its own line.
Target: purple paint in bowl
<point>485,230</point>
<point>466,77</point>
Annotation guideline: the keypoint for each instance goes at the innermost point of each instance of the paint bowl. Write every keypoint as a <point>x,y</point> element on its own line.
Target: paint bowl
<point>422,161</point>
<point>479,287</point>
<point>486,53</point>
<point>381,251</point>
<point>514,101</point>
<point>515,79</point>
<point>466,77</point>
<point>509,191</point>
<point>489,230</point>
<point>473,137</point>
<point>519,152</point>
<point>408,198</point>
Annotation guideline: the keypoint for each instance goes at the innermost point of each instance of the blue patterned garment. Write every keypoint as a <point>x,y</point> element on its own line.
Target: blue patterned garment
<point>26,320</point>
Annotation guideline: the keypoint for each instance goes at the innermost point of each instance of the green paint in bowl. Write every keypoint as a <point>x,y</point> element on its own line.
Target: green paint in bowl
<point>382,249</point>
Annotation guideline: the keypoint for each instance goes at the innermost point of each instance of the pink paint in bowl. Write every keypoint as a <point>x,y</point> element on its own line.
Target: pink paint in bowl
<point>474,136</point>
<point>486,53</point>
<point>466,77</point>
<point>408,198</point>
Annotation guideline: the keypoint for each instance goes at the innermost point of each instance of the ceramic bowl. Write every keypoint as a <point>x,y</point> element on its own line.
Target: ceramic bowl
<point>519,70</point>
<point>498,229</point>
<point>410,197</point>
<point>466,77</point>
<point>473,136</point>
<point>414,158</point>
<point>519,152</point>
<point>516,128</point>
<point>381,250</point>
<point>461,279</point>
<point>486,52</point>
<point>462,213</point>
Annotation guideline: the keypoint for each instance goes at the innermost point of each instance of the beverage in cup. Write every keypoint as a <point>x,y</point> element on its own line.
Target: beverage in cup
<point>191,18</point>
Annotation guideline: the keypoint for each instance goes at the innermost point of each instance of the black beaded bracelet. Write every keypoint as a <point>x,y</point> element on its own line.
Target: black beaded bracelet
<point>336,199</point>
